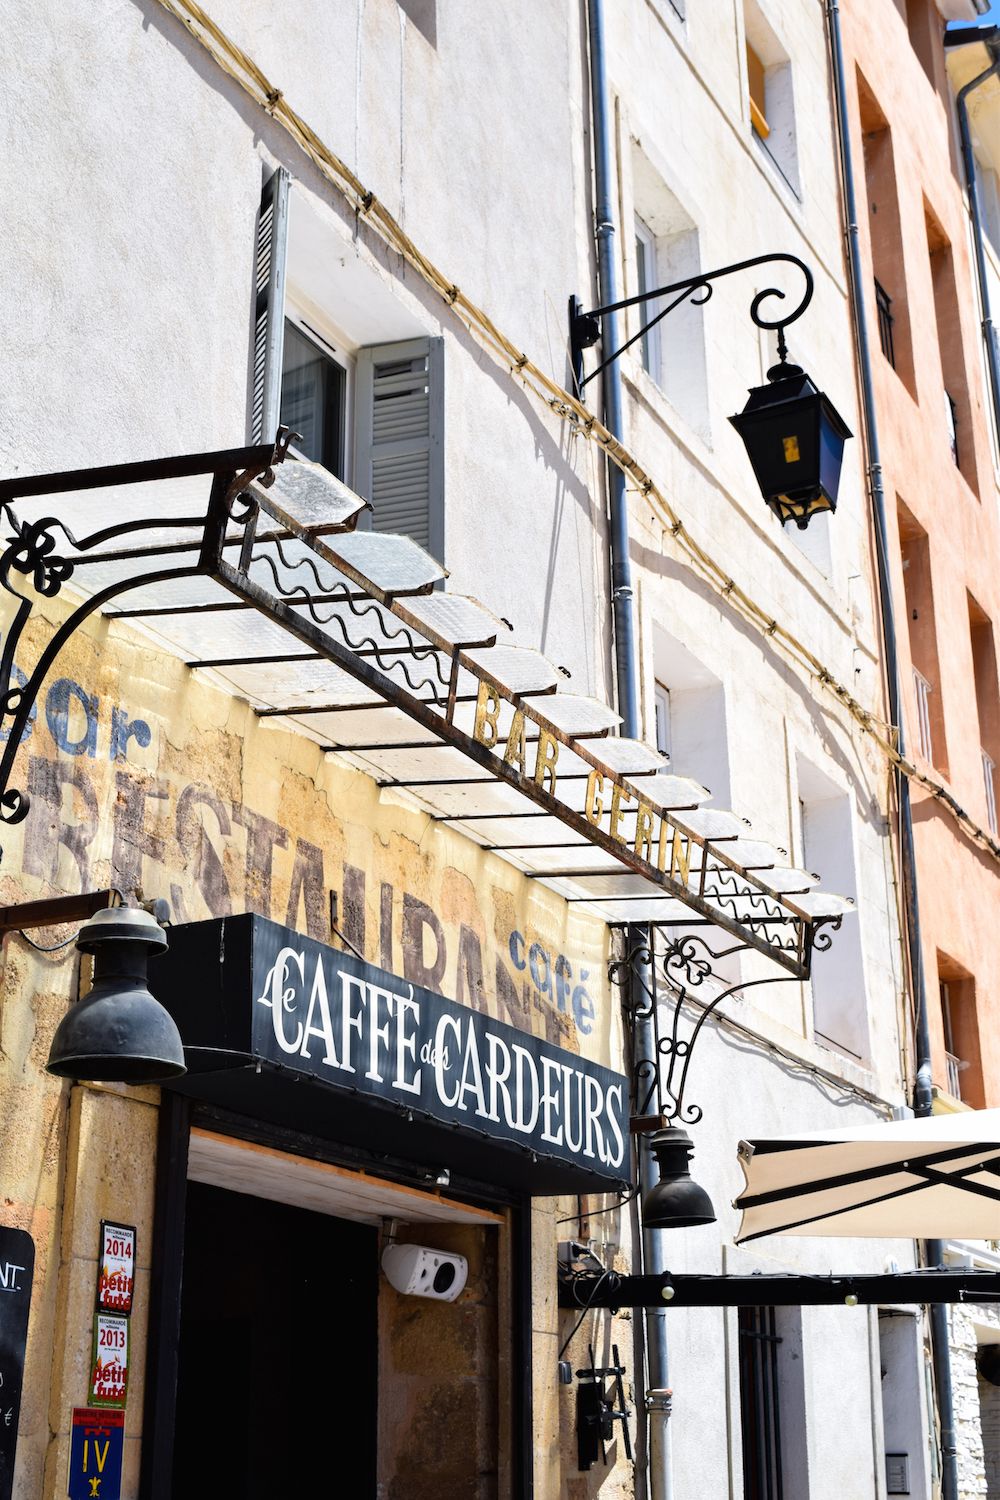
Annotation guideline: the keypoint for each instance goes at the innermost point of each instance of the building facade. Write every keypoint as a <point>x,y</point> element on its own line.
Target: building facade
<point>398,904</point>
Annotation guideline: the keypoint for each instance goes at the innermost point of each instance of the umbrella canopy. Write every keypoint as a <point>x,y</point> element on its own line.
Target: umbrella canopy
<point>936,1178</point>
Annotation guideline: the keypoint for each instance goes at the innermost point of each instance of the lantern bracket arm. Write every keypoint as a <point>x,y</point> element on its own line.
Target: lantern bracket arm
<point>585,327</point>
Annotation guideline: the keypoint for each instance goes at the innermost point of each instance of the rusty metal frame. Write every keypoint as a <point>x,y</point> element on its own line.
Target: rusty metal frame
<point>402,660</point>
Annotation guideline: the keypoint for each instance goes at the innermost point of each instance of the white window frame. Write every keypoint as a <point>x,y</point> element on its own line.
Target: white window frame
<point>320,332</point>
<point>647,278</point>
<point>661,717</point>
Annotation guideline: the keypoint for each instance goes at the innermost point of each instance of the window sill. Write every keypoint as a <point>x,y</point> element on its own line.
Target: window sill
<point>646,388</point>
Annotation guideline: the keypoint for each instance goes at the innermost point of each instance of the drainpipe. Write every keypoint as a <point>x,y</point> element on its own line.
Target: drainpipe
<point>653,1258</point>
<point>922,1095</point>
<point>960,37</point>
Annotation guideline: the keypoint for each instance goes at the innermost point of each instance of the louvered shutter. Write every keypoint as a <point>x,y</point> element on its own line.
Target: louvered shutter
<point>399,432</point>
<point>269,309</point>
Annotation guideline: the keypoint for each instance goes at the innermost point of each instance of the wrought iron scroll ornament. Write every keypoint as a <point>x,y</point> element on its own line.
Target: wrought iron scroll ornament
<point>585,327</point>
<point>657,973</point>
<point>31,553</point>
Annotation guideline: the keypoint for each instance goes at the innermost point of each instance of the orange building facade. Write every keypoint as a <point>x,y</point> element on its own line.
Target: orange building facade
<point>939,478</point>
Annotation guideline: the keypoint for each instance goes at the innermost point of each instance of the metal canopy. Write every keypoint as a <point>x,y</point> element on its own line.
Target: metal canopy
<point>250,565</point>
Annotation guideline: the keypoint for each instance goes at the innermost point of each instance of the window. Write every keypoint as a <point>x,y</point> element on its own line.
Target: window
<point>313,398</point>
<point>886,238</point>
<point>984,667</point>
<point>957,409</point>
<point>371,412</point>
<point>772,1403</point>
<point>989,201</point>
<point>645,267</point>
<point>928,734</point>
<point>690,713</point>
<point>667,251</point>
<point>661,705</point>
<point>963,1076</point>
<point>926,29</point>
<point>758,94</point>
<point>770,95</point>
<point>840,1013</point>
<point>904,1442</point>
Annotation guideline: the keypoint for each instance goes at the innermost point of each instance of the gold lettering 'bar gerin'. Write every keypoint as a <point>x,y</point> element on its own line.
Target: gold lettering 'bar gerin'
<point>420,687</point>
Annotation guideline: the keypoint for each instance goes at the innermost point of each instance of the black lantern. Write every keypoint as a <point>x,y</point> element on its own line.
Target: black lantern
<point>118,1033</point>
<point>677,1201</point>
<point>795,439</point>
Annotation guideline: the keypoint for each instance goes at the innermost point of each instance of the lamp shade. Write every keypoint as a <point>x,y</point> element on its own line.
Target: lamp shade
<point>118,1033</point>
<point>794,438</point>
<point>677,1201</point>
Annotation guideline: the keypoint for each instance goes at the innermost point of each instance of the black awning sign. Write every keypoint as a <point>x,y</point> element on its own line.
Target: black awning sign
<point>327,1014</point>
<point>17,1269</point>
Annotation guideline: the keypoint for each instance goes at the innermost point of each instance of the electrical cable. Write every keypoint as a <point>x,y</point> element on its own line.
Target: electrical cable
<point>595,1288</point>
<point>41,947</point>
<point>596,1213</point>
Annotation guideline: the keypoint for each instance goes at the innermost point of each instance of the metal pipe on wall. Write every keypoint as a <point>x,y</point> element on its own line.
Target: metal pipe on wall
<point>922,1094</point>
<point>653,1257</point>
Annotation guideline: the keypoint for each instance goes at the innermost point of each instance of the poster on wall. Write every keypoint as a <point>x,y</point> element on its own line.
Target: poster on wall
<point>95,1454</point>
<point>17,1268</point>
<point>116,1262</point>
<point>109,1366</point>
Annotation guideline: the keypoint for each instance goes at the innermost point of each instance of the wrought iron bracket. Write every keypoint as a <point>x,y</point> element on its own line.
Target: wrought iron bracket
<point>660,973</point>
<point>585,327</point>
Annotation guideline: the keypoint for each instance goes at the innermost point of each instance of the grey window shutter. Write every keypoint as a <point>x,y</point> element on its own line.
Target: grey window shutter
<point>269,309</point>
<point>399,439</point>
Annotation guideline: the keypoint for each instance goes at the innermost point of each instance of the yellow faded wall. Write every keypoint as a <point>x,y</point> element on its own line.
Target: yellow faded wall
<point>148,777</point>
<point>144,775</point>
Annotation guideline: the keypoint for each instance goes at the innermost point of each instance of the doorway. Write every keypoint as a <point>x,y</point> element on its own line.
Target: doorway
<point>278,1351</point>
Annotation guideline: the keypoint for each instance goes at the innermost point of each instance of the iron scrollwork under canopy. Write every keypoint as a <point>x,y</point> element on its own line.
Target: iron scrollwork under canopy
<point>661,974</point>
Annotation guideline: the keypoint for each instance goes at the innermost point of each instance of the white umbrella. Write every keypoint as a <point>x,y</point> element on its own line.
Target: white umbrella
<point>936,1178</point>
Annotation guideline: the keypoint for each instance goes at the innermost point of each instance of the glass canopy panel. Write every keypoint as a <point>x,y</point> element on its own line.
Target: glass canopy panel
<point>194,592</point>
<point>229,633</point>
<point>655,909</point>
<point>281,684</point>
<point>609,886</point>
<point>576,857</point>
<point>789,879</point>
<point>628,757</point>
<point>713,823</point>
<point>578,715</point>
<point>519,668</point>
<point>310,494</point>
<point>394,564</point>
<point>824,904</point>
<point>525,832</point>
<point>751,854</point>
<point>433,762</point>
<point>666,790</point>
<point>457,618</point>
<point>456,801</point>
<point>375,725</point>
<point>87,511</point>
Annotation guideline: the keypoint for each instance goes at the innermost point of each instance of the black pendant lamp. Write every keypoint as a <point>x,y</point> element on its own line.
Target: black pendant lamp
<point>118,1033</point>
<point>794,438</point>
<point>677,1201</point>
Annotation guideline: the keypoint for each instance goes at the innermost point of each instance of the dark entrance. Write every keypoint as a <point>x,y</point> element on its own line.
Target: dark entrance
<point>276,1391</point>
